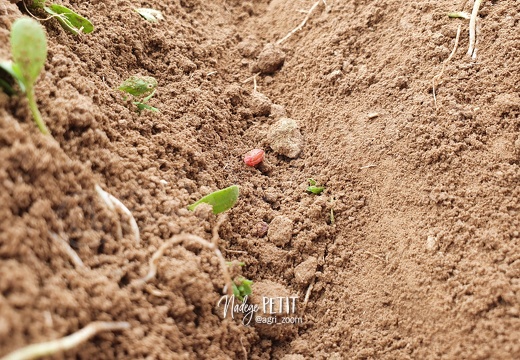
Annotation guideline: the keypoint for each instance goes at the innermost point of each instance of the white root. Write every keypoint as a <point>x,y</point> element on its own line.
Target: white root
<point>114,203</point>
<point>177,239</point>
<point>65,247</point>
<point>302,24</point>
<point>437,77</point>
<point>65,343</point>
<point>308,293</point>
<point>472,31</point>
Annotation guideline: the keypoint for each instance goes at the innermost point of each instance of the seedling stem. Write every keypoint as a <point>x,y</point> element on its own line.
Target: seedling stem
<point>35,112</point>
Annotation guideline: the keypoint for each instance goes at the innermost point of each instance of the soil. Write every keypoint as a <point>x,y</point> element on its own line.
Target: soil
<point>421,258</point>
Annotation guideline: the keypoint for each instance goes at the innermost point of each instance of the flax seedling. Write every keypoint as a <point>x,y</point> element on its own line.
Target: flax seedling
<point>141,87</point>
<point>29,52</point>
<point>220,200</point>
<point>68,19</point>
<point>242,287</point>
<point>312,188</point>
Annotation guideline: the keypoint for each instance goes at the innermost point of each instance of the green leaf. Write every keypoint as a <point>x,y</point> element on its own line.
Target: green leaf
<point>8,89</point>
<point>242,287</point>
<point>315,189</point>
<point>139,85</point>
<point>69,20</point>
<point>141,106</point>
<point>29,50</point>
<point>151,15</point>
<point>221,200</point>
<point>13,70</point>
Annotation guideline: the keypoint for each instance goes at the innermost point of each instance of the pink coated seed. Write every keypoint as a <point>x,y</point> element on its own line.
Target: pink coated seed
<point>254,157</point>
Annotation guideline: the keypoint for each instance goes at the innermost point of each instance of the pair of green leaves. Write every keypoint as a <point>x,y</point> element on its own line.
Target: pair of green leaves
<point>242,287</point>
<point>68,19</point>
<point>139,86</point>
<point>312,188</point>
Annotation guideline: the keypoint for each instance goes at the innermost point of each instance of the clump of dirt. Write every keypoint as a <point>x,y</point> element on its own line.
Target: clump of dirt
<point>410,252</point>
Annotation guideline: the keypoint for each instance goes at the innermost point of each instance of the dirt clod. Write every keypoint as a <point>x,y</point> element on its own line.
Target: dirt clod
<point>285,138</point>
<point>270,59</point>
<point>260,104</point>
<point>280,230</point>
<point>304,272</point>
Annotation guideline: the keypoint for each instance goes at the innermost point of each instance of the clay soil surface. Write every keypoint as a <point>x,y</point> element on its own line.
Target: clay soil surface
<point>421,259</point>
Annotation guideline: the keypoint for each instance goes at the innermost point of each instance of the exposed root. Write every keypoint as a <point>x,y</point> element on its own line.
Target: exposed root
<point>214,232</point>
<point>65,343</point>
<point>113,203</point>
<point>251,78</point>
<point>472,24</point>
<point>177,239</point>
<point>65,247</point>
<point>437,77</point>
<point>308,293</point>
<point>302,24</point>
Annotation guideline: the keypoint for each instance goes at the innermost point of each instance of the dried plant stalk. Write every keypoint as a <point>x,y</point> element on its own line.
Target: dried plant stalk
<point>65,343</point>
<point>177,239</point>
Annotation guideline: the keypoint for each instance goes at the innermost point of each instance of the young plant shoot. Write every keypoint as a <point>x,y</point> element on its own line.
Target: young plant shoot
<point>68,19</point>
<point>312,188</point>
<point>140,87</point>
<point>220,200</point>
<point>242,287</point>
<point>29,52</point>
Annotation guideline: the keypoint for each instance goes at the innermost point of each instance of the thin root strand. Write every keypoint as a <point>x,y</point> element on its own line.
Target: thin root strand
<point>177,239</point>
<point>35,351</point>
<point>114,203</point>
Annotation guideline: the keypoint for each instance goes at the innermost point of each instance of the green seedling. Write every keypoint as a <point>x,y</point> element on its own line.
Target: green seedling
<point>151,15</point>
<point>459,15</point>
<point>68,19</point>
<point>220,200</point>
<point>140,86</point>
<point>242,287</point>
<point>29,52</point>
<point>312,188</point>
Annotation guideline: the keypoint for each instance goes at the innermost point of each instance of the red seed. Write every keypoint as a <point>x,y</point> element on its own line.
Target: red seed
<point>254,157</point>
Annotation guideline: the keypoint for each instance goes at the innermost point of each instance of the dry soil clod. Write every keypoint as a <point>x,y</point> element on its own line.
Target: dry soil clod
<point>65,343</point>
<point>270,59</point>
<point>285,138</point>
<point>280,230</point>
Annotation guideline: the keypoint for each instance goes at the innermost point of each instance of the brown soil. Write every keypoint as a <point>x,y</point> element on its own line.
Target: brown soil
<point>423,258</point>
